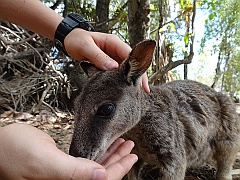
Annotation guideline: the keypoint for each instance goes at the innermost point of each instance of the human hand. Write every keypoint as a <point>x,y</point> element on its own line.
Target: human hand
<point>106,51</point>
<point>29,153</point>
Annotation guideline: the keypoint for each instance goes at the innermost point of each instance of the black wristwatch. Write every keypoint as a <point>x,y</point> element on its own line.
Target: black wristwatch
<point>70,22</point>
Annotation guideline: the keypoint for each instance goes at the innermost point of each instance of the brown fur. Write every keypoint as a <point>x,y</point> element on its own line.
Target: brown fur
<point>178,125</point>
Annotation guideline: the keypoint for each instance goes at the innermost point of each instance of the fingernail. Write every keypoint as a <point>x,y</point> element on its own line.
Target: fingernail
<point>148,90</point>
<point>111,64</point>
<point>136,158</point>
<point>99,174</point>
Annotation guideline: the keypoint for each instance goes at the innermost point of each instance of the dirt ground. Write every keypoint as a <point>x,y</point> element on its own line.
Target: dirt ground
<point>59,126</point>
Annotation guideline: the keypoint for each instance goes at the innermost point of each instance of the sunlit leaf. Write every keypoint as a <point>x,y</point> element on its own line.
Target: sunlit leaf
<point>172,26</point>
<point>186,39</point>
<point>211,16</point>
<point>152,7</point>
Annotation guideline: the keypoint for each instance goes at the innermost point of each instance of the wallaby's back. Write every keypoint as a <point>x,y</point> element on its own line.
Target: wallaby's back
<point>188,120</point>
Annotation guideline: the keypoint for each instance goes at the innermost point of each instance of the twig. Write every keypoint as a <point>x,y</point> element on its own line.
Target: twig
<point>171,21</point>
<point>49,86</point>
<point>7,29</point>
<point>6,42</point>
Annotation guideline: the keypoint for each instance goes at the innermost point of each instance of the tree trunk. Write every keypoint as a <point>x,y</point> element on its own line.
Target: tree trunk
<point>163,53</point>
<point>102,15</point>
<point>185,71</point>
<point>138,20</point>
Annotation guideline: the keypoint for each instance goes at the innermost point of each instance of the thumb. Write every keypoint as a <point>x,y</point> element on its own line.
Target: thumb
<point>85,169</point>
<point>69,167</point>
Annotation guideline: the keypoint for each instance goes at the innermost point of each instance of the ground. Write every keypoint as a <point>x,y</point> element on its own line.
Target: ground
<point>59,125</point>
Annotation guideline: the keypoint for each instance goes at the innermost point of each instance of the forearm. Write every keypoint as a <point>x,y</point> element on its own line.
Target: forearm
<point>32,15</point>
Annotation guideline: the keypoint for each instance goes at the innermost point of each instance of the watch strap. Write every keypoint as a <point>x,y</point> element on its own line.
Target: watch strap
<point>83,23</point>
<point>70,22</point>
<point>64,28</point>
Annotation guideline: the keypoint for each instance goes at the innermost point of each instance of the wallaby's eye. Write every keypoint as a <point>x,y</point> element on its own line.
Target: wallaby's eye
<point>106,110</point>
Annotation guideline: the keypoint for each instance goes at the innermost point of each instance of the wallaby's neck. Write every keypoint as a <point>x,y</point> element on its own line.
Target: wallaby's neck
<point>146,101</point>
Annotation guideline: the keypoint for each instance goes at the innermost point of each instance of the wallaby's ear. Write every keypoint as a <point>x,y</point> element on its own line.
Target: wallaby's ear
<point>139,60</point>
<point>89,68</point>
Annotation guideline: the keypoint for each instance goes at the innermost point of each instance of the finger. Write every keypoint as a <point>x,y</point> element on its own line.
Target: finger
<point>87,48</point>
<point>111,150</point>
<point>145,85</point>
<point>123,150</point>
<point>99,58</point>
<point>118,170</point>
<point>117,49</point>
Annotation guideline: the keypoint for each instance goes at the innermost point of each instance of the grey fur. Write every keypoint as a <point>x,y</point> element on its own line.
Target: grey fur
<point>178,125</point>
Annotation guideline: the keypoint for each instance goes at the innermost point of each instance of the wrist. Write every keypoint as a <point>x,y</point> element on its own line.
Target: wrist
<point>69,23</point>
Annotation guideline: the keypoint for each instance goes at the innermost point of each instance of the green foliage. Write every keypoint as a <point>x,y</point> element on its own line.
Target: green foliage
<point>222,29</point>
<point>86,8</point>
<point>172,26</point>
<point>118,19</point>
<point>184,4</point>
<point>186,39</point>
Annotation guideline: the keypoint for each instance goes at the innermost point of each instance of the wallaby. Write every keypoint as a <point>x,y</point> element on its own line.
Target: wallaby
<point>178,125</point>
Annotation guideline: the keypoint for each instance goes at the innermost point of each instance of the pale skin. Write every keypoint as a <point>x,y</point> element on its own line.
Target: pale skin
<point>28,153</point>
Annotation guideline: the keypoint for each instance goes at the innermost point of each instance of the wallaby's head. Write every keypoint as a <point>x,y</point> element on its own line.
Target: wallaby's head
<point>109,104</point>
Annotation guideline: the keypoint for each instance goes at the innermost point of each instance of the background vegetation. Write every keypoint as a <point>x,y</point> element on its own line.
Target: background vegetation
<point>33,74</point>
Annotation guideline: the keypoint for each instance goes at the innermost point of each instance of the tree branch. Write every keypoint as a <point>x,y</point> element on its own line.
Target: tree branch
<point>171,65</point>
